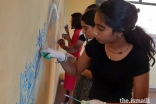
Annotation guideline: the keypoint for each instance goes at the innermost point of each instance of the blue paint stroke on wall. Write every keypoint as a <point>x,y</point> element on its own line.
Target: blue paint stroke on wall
<point>29,76</point>
<point>42,34</point>
<point>54,16</point>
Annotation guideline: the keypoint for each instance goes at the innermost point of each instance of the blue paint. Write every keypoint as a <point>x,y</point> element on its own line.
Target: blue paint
<point>29,76</point>
<point>31,69</point>
<point>55,18</point>
<point>44,34</point>
<point>39,40</point>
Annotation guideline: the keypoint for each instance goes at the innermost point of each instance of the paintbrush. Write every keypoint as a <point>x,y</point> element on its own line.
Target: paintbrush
<point>72,98</point>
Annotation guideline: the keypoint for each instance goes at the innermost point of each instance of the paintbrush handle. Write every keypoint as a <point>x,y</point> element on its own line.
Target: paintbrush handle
<point>72,98</point>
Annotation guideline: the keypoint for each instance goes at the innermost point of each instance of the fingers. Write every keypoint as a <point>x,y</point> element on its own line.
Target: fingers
<point>64,35</point>
<point>66,26</point>
<point>96,102</point>
<point>44,52</point>
<point>61,41</point>
<point>47,53</point>
<point>84,102</point>
<point>48,57</point>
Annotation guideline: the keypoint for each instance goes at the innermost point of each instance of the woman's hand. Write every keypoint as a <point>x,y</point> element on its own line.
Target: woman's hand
<point>66,29</point>
<point>49,53</point>
<point>92,102</point>
<point>61,43</point>
<point>71,58</point>
<point>65,36</point>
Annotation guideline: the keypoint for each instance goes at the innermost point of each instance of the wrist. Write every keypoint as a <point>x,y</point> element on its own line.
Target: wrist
<point>65,48</point>
<point>68,39</point>
<point>63,58</point>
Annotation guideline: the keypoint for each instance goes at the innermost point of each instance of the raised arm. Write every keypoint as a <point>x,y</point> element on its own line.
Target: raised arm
<point>73,69</point>
<point>71,49</point>
<point>141,86</point>
<point>78,67</point>
<point>66,37</point>
<point>67,31</point>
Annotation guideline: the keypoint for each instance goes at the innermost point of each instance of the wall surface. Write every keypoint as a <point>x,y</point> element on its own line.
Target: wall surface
<point>26,26</point>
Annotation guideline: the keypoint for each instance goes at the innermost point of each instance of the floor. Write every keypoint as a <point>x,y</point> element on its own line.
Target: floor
<point>61,91</point>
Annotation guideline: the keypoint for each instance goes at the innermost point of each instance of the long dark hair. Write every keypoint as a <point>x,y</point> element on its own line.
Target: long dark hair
<point>76,21</point>
<point>122,16</point>
<point>92,7</point>
<point>88,17</point>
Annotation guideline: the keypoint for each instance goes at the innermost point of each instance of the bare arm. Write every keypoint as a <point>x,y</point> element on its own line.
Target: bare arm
<point>87,73</point>
<point>74,48</point>
<point>141,86</point>
<point>70,49</point>
<point>66,37</point>
<point>75,69</point>
<point>69,40</point>
<point>67,31</point>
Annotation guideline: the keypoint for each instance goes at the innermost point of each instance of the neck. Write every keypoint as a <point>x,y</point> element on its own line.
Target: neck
<point>118,44</point>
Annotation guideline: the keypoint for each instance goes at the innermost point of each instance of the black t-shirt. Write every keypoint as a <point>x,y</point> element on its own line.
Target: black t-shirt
<point>82,37</point>
<point>113,80</point>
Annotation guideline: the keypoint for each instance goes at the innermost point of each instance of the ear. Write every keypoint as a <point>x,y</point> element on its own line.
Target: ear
<point>118,34</point>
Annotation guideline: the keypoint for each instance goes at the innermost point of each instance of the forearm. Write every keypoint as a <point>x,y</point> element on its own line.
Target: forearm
<point>71,49</point>
<point>68,34</point>
<point>70,68</point>
<point>69,41</point>
<point>75,47</point>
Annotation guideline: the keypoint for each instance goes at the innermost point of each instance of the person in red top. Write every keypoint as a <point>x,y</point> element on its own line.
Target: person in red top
<point>74,39</point>
<point>69,81</point>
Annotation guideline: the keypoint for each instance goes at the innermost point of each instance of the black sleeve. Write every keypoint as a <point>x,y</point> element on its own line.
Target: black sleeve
<point>89,47</point>
<point>82,37</point>
<point>141,64</point>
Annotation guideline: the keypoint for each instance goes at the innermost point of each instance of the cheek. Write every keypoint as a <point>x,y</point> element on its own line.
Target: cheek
<point>103,35</point>
<point>88,34</point>
<point>87,31</point>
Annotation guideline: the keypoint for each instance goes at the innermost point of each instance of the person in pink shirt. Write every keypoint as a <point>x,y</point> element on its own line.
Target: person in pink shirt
<point>69,81</point>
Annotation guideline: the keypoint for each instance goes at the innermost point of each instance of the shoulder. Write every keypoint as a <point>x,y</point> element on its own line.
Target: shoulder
<point>139,54</point>
<point>82,37</point>
<point>141,62</point>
